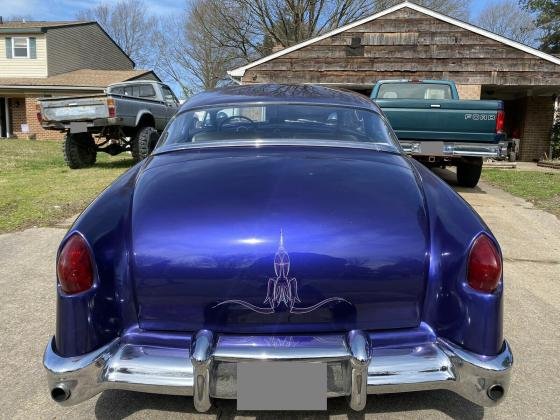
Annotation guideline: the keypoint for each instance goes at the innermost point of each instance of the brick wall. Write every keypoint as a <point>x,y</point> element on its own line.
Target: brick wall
<point>22,111</point>
<point>535,138</point>
<point>469,91</point>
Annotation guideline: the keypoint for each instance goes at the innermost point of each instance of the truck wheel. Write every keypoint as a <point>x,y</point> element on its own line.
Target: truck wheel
<point>141,143</point>
<point>468,172</point>
<point>79,150</point>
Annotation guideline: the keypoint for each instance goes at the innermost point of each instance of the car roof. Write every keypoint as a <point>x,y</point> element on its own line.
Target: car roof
<point>279,93</point>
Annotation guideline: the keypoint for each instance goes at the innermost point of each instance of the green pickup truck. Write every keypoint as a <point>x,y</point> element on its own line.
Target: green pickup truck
<point>440,130</point>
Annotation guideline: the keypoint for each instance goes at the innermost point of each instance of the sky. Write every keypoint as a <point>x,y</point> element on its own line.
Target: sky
<point>67,9</point>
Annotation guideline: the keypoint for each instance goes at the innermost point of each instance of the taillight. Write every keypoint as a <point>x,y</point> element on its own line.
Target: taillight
<point>74,267</point>
<point>111,108</point>
<point>500,122</point>
<point>485,265</point>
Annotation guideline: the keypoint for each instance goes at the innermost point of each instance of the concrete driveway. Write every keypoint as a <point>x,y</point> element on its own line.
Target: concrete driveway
<point>531,244</point>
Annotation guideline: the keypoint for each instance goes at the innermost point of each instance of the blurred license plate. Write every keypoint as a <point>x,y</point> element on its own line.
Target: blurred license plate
<point>78,127</point>
<point>281,386</point>
<point>433,148</point>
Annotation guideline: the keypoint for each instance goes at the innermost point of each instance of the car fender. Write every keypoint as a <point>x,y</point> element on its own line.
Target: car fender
<point>88,320</point>
<point>452,308</point>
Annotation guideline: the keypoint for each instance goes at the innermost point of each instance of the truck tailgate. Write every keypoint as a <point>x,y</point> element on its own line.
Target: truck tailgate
<point>75,109</point>
<point>449,120</point>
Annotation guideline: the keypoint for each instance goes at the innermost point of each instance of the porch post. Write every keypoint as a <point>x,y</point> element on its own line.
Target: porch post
<point>7,112</point>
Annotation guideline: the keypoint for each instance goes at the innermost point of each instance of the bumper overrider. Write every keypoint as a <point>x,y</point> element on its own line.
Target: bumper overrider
<point>207,369</point>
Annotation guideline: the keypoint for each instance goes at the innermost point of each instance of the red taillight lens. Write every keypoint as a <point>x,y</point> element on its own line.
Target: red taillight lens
<point>485,265</point>
<point>74,267</point>
<point>39,115</point>
<point>111,108</point>
<point>500,122</point>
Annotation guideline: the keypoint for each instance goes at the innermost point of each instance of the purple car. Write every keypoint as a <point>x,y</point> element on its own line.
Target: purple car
<point>278,248</point>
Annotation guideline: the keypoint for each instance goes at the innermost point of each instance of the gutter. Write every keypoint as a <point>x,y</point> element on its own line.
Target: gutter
<point>51,87</point>
<point>22,31</point>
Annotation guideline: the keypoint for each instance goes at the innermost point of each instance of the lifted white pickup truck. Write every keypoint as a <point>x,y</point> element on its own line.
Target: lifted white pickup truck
<point>128,117</point>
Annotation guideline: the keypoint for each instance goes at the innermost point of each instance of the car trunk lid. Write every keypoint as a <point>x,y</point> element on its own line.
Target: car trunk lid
<point>278,240</point>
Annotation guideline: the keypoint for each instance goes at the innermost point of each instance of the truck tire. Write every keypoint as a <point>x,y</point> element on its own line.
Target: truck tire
<point>79,150</point>
<point>468,172</point>
<point>141,143</point>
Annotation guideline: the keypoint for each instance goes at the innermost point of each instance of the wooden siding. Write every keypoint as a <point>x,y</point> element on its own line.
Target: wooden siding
<point>83,47</point>
<point>24,67</point>
<point>408,44</point>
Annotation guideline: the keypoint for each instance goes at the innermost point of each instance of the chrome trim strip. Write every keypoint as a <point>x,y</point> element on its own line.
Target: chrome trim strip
<point>278,142</point>
<point>355,367</point>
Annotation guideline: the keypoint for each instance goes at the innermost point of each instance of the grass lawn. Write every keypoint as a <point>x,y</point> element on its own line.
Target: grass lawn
<point>540,188</point>
<point>38,189</point>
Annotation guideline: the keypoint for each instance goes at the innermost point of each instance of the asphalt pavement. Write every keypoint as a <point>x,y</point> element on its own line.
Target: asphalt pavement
<point>530,240</point>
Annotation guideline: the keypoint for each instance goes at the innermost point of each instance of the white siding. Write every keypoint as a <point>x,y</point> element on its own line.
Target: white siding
<point>24,67</point>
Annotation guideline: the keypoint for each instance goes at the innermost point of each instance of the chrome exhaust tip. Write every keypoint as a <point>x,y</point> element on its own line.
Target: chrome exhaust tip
<point>60,393</point>
<point>496,392</point>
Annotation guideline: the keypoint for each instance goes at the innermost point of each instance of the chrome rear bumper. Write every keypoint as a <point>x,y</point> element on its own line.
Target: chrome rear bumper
<point>453,149</point>
<point>208,369</point>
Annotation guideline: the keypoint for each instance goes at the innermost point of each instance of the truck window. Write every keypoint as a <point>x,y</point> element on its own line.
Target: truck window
<point>408,90</point>
<point>168,95</point>
<point>117,90</point>
<point>147,91</point>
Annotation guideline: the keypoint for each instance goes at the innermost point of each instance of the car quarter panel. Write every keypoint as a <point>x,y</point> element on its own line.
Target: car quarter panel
<point>452,308</point>
<point>88,320</point>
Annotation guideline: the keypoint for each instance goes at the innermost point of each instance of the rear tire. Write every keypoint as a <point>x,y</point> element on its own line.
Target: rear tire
<point>141,143</point>
<point>79,150</point>
<point>468,172</point>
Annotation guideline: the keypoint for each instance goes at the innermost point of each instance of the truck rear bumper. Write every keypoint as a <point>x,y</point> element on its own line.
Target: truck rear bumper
<point>453,149</point>
<point>207,369</point>
<point>89,125</point>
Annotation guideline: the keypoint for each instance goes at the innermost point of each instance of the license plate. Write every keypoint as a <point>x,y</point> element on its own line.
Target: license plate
<point>78,127</point>
<point>433,148</point>
<point>281,386</point>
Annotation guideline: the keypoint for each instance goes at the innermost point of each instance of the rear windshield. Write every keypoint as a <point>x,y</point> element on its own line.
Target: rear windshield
<point>279,122</point>
<point>408,90</point>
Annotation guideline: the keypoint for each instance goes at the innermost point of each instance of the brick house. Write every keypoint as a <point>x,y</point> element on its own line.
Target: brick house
<point>45,59</point>
<point>408,41</point>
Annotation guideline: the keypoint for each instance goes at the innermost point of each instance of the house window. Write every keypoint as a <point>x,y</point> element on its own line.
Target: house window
<point>20,47</point>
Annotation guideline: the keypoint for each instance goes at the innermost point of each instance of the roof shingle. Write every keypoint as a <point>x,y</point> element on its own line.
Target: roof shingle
<point>80,78</point>
<point>39,24</point>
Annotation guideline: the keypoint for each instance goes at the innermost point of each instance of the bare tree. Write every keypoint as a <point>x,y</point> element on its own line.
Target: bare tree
<point>129,24</point>
<point>190,52</point>
<point>287,22</point>
<point>18,18</point>
<point>459,9</point>
<point>507,18</point>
